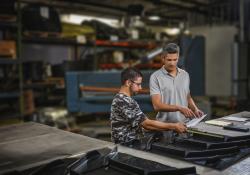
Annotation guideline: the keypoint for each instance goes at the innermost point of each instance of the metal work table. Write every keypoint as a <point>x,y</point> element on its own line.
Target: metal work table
<point>28,145</point>
<point>31,144</point>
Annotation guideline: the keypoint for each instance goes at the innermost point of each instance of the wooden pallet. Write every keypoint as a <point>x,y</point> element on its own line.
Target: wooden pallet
<point>7,18</point>
<point>8,49</point>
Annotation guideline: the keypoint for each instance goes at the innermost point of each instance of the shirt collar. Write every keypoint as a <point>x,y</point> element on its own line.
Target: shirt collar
<point>166,72</point>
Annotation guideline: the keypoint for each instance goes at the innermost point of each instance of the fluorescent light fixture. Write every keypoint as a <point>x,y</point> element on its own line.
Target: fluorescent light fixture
<point>77,19</point>
<point>154,18</point>
<point>187,32</point>
<point>172,31</point>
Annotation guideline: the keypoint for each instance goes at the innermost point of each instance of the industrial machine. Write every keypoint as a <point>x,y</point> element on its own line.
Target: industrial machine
<point>92,92</point>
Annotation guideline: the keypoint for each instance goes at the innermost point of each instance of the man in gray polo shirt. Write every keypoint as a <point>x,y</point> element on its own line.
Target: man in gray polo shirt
<point>169,90</point>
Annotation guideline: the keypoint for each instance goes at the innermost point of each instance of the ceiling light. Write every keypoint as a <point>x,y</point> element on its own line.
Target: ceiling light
<point>154,18</point>
<point>172,31</point>
<point>187,32</point>
<point>78,19</point>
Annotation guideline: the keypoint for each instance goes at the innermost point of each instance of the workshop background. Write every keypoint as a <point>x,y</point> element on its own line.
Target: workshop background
<point>60,60</point>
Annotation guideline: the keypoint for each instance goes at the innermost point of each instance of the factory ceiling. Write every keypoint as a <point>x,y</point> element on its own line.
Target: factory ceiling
<point>170,12</point>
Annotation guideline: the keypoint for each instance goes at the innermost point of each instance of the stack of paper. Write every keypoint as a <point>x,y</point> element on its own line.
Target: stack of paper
<point>238,119</point>
<point>195,121</point>
<point>218,122</point>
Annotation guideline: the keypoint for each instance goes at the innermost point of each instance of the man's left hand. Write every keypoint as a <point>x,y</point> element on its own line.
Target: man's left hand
<point>198,113</point>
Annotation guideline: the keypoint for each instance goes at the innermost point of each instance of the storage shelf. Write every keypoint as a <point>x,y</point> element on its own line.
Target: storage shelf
<point>8,116</point>
<point>57,41</point>
<point>139,66</point>
<point>98,43</point>
<point>11,28</point>
<point>8,25</point>
<point>126,44</point>
<point>9,94</point>
<point>9,61</point>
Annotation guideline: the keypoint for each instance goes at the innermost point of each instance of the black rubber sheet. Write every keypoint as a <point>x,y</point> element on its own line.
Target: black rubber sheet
<point>217,154</point>
<point>106,162</point>
<point>28,145</point>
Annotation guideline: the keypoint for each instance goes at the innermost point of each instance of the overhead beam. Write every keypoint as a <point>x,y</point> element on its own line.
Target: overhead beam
<point>179,6</point>
<point>100,5</point>
<point>67,5</point>
<point>194,2</point>
<point>167,17</point>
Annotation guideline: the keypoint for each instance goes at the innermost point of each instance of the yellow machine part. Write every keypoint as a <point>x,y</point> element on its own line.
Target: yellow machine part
<point>72,30</point>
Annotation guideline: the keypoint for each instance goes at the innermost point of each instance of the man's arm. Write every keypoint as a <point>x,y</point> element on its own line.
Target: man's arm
<point>161,126</point>
<point>193,107</point>
<point>159,106</point>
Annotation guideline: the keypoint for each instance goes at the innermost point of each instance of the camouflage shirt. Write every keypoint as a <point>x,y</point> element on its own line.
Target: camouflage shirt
<point>126,118</point>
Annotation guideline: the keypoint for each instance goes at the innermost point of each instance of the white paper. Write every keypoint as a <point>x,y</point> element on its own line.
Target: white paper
<point>44,12</point>
<point>247,123</point>
<point>218,122</point>
<point>238,119</point>
<point>195,121</point>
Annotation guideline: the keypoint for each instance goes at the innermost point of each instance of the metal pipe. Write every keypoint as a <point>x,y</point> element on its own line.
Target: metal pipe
<point>241,11</point>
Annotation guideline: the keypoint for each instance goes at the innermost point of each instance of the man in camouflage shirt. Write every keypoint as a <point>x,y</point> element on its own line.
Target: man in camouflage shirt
<point>127,119</point>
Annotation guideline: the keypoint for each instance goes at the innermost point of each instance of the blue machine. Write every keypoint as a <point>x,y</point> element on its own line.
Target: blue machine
<point>94,102</point>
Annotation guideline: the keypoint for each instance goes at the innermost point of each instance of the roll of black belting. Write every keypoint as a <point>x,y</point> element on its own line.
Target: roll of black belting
<point>41,18</point>
<point>7,7</point>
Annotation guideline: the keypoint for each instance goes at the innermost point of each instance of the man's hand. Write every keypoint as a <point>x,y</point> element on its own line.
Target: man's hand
<point>198,113</point>
<point>188,113</point>
<point>180,127</point>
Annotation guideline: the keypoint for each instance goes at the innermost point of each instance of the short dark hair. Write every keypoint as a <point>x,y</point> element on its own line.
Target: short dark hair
<point>130,74</point>
<point>170,48</point>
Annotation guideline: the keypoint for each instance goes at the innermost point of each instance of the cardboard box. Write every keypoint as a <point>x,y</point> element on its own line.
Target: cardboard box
<point>29,104</point>
<point>8,49</point>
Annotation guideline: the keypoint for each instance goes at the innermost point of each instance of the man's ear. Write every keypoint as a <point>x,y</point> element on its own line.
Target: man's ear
<point>127,83</point>
<point>162,58</point>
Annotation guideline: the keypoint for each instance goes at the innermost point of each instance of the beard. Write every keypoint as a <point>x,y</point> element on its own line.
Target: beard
<point>170,68</point>
<point>133,93</point>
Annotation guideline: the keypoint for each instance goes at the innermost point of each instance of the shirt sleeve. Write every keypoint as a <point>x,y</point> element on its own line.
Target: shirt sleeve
<point>154,85</point>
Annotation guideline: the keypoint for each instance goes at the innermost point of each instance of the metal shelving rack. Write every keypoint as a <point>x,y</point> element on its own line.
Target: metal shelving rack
<point>19,42</point>
<point>17,26</point>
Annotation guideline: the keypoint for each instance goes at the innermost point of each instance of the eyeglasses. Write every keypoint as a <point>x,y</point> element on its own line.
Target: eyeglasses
<point>138,84</point>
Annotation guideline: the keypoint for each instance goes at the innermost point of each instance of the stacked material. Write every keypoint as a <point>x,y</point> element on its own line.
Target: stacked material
<point>205,144</point>
<point>74,31</point>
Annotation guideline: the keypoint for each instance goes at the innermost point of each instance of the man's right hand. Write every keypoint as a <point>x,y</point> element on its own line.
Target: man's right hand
<point>180,127</point>
<point>188,113</point>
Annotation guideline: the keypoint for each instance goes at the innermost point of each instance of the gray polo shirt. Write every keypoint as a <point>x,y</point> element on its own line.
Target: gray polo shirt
<point>173,91</point>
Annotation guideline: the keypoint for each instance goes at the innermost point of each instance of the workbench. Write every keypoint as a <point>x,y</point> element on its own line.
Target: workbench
<point>28,145</point>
